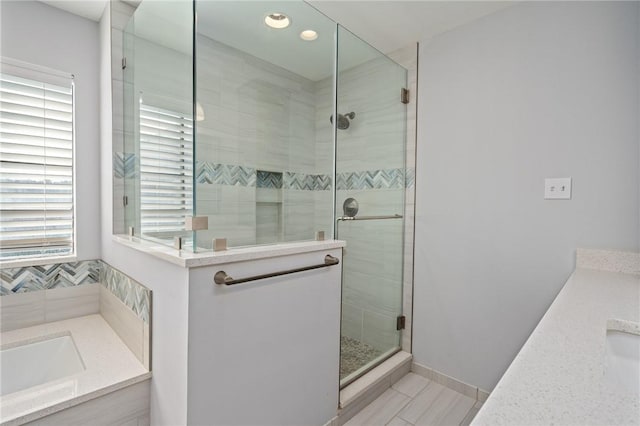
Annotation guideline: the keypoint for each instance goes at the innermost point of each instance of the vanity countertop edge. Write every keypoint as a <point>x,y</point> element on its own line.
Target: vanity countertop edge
<point>558,377</point>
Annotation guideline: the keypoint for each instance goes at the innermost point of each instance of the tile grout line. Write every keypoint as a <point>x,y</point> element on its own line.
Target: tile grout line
<point>401,408</point>
<point>468,412</point>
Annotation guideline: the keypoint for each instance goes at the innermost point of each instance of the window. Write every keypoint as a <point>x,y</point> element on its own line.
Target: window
<point>166,171</point>
<point>36,164</point>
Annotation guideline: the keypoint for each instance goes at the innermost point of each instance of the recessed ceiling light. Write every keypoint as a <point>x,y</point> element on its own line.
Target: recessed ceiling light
<point>308,35</point>
<point>277,20</point>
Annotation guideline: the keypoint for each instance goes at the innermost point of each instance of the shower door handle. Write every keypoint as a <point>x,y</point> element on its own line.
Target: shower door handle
<point>221,277</point>
<point>391,216</point>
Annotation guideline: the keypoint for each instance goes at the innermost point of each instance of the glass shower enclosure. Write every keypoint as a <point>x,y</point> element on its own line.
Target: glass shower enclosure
<point>370,189</point>
<point>268,135</point>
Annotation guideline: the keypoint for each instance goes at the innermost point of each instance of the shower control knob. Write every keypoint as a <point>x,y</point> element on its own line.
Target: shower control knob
<point>350,207</point>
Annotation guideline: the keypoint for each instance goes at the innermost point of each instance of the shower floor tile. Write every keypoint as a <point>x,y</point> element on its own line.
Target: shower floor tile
<point>355,354</point>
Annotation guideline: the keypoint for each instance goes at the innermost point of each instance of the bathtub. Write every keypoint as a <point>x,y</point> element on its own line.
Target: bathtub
<point>29,364</point>
<point>64,369</point>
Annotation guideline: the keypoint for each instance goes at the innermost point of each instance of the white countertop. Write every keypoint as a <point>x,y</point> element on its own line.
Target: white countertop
<point>189,259</point>
<point>109,365</point>
<point>558,376</point>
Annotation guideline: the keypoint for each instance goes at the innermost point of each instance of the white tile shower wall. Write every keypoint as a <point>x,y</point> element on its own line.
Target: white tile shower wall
<point>374,262</point>
<point>261,117</point>
<point>372,294</point>
<point>231,211</point>
<point>371,142</point>
<point>324,154</point>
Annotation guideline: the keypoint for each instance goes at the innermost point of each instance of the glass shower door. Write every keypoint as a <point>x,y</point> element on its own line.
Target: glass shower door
<point>370,187</point>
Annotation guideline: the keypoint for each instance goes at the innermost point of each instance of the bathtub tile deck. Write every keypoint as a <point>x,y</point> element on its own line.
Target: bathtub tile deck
<point>109,365</point>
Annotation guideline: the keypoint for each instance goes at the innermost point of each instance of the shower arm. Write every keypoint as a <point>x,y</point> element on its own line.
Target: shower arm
<point>392,216</point>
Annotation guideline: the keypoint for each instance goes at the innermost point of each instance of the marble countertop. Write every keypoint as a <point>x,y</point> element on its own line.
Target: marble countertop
<point>188,259</point>
<point>558,375</point>
<point>109,365</point>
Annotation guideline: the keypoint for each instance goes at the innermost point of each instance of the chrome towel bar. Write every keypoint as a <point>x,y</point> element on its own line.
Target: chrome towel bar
<point>391,216</point>
<point>221,277</point>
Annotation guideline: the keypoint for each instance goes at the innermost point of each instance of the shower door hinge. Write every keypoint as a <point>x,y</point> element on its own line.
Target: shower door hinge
<point>125,200</point>
<point>404,95</point>
<point>124,63</point>
<point>400,322</point>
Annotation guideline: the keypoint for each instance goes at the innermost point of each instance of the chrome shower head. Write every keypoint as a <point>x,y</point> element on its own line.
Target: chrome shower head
<point>343,120</point>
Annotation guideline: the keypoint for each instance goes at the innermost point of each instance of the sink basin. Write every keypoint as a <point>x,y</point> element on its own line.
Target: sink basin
<point>622,362</point>
<point>35,363</point>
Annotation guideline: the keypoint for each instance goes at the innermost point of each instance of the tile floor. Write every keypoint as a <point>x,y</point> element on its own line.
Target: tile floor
<point>415,400</point>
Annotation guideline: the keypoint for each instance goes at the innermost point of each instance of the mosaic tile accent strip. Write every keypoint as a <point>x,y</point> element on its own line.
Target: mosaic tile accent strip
<point>224,174</point>
<point>124,165</point>
<point>354,355</point>
<point>271,180</point>
<point>410,178</point>
<point>371,179</point>
<point>44,277</point>
<point>302,181</point>
<point>133,294</point>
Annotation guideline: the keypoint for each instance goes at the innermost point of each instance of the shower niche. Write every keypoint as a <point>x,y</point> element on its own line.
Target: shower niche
<point>269,220</point>
<point>266,131</point>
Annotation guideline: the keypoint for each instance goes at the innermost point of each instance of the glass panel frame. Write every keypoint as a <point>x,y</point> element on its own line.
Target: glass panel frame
<point>370,185</point>
<point>157,45</point>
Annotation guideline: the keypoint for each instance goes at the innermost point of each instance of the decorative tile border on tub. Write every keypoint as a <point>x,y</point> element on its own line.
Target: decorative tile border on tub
<point>133,294</point>
<point>46,277</point>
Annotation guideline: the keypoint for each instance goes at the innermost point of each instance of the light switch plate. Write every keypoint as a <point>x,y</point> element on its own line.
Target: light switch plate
<point>557,189</point>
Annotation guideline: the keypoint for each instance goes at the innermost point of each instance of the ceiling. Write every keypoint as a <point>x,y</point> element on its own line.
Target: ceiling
<point>241,25</point>
<point>386,24</point>
<point>392,24</point>
<point>90,9</point>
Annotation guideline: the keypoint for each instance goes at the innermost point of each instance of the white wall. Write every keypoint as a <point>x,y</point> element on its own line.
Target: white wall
<point>39,34</point>
<point>265,352</point>
<point>170,304</point>
<point>541,89</point>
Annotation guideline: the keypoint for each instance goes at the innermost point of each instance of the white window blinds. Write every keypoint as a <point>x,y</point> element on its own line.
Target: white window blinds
<point>36,174</point>
<point>166,170</point>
